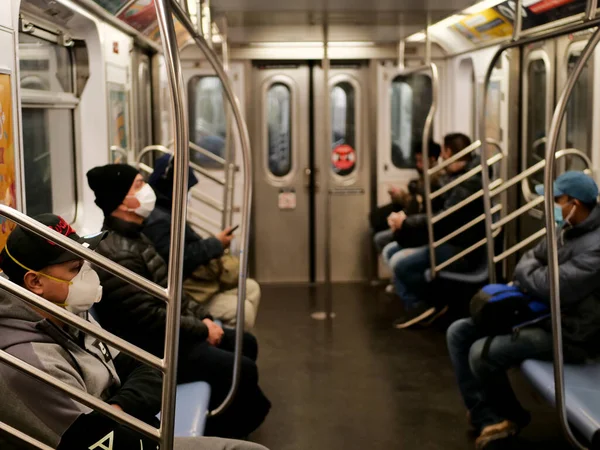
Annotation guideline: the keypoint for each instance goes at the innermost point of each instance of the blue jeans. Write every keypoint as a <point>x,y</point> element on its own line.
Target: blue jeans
<point>382,239</point>
<point>409,265</point>
<point>483,382</point>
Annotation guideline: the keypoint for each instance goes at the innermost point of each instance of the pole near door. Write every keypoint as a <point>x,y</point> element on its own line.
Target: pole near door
<point>326,175</point>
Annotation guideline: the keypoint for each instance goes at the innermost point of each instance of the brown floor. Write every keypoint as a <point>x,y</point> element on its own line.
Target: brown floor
<point>356,383</point>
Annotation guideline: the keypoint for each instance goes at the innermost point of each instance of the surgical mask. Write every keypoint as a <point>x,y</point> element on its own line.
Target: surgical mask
<point>84,290</point>
<point>558,215</point>
<point>147,199</point>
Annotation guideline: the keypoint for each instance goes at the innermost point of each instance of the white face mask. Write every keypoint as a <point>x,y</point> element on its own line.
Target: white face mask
<point>84,290</point>
<point>147,199</point>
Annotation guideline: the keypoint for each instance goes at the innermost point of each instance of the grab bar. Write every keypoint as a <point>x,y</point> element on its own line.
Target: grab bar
<point>213,59</point>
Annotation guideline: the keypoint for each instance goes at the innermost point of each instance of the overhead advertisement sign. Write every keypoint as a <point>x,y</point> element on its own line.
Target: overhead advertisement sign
<point>497,22</point>
<point>541,12</point>
<point>484,26</point>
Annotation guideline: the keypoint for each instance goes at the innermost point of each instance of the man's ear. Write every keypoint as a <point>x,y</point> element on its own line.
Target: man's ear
<point>122,207</point>
<point>32,283</point>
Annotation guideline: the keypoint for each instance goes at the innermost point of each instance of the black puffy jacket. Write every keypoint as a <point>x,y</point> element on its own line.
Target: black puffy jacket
<point>129,312</point>
<point>198,251</point>
<point>414,229</point>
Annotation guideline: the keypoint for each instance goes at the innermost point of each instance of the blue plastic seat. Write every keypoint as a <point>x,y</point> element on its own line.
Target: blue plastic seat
<point>191,409</point>
<point>582,391</point>
<point>479,276</point>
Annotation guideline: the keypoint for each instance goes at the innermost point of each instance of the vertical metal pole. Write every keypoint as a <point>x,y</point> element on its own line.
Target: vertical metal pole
<point>178,214</point>
<point>435,84</point>
<point>554,275</point>
<point>199,17</point>
<point>551,238</point>
<point>327,149</point>
<point>401,53</point>
<point>591,9</point>
<point>485,173</point>
<point>213,59</point>
<point>427,131</point>
<point>428,41</point>
<point>229,168</point>
<point>518,22</point>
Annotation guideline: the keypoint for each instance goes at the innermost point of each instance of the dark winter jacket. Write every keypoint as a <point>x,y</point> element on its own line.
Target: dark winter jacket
<point>198,251</point>
<point>131,313</point>
<point>579,272</point>
<point>414,229</point>
<point>81,362</point>
<point>412,200</point>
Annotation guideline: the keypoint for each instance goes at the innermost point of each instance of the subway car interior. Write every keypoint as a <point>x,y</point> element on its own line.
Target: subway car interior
<point>302,123</point>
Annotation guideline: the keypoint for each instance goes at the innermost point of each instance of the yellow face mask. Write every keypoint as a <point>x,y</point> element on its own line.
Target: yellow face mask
<point>39,273</point>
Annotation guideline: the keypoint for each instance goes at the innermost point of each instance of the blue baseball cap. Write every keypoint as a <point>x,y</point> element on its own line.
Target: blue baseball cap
<point>575,184</point>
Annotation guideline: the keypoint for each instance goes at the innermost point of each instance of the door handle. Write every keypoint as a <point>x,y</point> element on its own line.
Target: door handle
<point>307,176</point>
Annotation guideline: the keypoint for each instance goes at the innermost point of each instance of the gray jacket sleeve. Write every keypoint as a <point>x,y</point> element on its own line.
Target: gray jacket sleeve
<point>578,275</point>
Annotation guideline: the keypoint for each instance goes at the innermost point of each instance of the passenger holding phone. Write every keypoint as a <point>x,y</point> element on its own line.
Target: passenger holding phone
<point>210,273</point>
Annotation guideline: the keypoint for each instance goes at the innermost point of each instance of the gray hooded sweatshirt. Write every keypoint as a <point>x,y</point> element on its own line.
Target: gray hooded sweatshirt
<point>80,361</point>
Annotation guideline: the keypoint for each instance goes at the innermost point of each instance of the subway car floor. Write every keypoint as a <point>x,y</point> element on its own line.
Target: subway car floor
<point>353,382</point>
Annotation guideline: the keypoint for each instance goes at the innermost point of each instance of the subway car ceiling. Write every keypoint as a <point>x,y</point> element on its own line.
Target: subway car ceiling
<point>356,29</point>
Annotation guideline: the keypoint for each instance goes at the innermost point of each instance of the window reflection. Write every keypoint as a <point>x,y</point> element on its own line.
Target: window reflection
<point>279,130</point>
<point>408,117</point>
<point>343,127</point>
<point>208,123</point>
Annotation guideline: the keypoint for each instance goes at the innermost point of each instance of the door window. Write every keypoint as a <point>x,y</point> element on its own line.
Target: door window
<point>579,113</point>
<point>537,113</point>
<point>279,123</point>
<point>48,131</point>
<point>208,122</point>
<point>408,117</point>
<point>343,128</point>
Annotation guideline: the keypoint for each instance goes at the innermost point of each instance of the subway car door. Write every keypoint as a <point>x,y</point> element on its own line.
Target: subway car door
<point>345,159</point>
<point>282,201</point>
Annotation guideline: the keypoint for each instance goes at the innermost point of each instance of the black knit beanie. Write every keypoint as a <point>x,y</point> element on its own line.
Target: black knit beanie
<point>110,184</point>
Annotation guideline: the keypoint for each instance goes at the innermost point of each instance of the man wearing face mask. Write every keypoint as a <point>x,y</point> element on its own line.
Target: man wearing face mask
<point>205,348</point>
<point>408,256</point>
<point>201,256</point>
<point>73,357</point>
<point>493,408</point>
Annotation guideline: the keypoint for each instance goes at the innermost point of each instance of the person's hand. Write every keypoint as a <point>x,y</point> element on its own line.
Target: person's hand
<point>117,407</point>
<point>395,220</point>
<point>215,332</point>
<point>225,237</point>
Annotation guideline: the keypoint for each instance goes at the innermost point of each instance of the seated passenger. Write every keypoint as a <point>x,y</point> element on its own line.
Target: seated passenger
<point>71,356</point>
<point>410,200</point>
<point>410,232</point>
<point>493,408</point>
<point>202,283</point>
<point>205,348</point>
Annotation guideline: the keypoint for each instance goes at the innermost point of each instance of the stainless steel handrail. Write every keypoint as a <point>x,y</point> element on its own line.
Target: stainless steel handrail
<point>208,200</point>
<point>569,29</point>
<point>166,23</point>
<point>435,219</point>
<point>104,263</point>
<point>203,151</point>
<point>194,166</point>
<point>467,175</point>
<point>121,151</point>
<point>518,21</point>
<point>538,167</point>
<point>213,59</point>
<point>81,324</point>
<point>464,152</point>
<point>553,267</point>
<point>427,131</point>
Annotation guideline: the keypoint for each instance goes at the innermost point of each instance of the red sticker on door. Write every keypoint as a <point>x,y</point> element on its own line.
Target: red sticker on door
<point>343,158</point>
